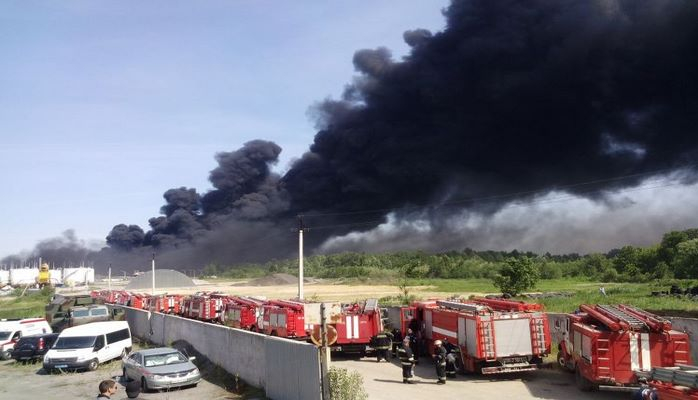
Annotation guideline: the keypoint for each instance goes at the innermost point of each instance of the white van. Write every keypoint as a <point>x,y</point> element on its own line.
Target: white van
<point>86,346</point>
<point>13,329</point>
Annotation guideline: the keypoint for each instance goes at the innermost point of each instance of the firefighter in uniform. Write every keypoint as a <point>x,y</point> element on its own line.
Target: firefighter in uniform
<point>397,341</point>
<point>382,343</point>
<point>440,359</point>
<point>406,360</point>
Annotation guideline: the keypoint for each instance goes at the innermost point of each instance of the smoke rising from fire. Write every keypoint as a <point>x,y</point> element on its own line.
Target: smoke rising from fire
<point>512,98</point>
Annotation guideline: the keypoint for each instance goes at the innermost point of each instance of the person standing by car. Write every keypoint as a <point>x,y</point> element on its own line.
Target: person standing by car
<point>107,388</point>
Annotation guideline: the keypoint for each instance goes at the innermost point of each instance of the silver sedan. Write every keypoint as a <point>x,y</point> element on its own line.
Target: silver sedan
<point>160,368</point>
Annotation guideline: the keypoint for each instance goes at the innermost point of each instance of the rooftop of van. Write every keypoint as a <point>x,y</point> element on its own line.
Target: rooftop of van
<point>94,328</point>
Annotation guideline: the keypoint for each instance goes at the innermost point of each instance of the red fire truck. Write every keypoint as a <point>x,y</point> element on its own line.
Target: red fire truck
<point>136,300</point>
<point>354,327</point>
<point>607,345</point>
<point>204,307</point>
<point>675,383</point>
<point>294,319</point>
<point>490,336</point>
<point>244,313</point>
<point>168,304</point>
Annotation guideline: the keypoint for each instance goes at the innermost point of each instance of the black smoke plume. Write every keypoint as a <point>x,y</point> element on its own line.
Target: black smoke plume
<point>512,100</point>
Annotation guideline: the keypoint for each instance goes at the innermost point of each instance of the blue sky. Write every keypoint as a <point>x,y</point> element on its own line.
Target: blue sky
<point>107,104</point>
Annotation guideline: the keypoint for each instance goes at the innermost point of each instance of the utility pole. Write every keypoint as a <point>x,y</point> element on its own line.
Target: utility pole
<point>300,257</point>
<point>324,355</point>
<point>153,268</point>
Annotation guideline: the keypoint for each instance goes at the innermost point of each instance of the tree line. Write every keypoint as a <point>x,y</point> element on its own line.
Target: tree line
<point>676,256</point>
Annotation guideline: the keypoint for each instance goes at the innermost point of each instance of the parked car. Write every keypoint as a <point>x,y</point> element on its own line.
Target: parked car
<point>34,346</point>
<point>11,330</point>
<point>160,368</point>
<point>86,346</point>
<point>81,315</point>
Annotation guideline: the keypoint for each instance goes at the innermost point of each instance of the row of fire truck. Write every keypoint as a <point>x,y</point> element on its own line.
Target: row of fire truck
<point>350,327</point>
<point>605,345</point>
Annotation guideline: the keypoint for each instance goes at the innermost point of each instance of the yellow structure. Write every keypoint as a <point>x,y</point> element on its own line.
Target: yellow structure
<point>44,278</point>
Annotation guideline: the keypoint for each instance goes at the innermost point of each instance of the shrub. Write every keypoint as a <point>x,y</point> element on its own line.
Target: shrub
<point>345,385</point>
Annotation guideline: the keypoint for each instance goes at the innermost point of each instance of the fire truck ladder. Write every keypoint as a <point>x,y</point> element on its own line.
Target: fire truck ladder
<point>538,334</point>
<point>486,343</point>
<point>682,375</point>
<point>603,358</point>
<point>618,313</point>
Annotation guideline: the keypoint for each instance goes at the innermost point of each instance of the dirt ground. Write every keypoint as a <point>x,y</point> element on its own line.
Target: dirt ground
<point>285,288</point>
<point>28,381</point>
<point>384,381</point>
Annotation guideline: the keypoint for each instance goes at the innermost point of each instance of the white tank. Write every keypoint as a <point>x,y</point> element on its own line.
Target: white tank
<point>73,276</point>
<point>4,277</point>
<point>23,276</point>
<point>78,276</point>
<point>56,276</point>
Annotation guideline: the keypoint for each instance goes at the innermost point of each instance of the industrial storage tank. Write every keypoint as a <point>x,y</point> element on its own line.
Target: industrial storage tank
<point>56,276</point>
<point>78,276</point>
<point>4,277</point>
<point>23,276</point>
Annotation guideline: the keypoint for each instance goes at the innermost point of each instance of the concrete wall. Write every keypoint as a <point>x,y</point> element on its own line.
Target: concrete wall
<point>240,352</point>
<point>293,372</point>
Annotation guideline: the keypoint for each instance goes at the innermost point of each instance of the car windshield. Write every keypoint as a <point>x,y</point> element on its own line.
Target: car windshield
<point>5,335</point>
<point>76,342</point>
<point>81,313</point>
<point>165,359</point>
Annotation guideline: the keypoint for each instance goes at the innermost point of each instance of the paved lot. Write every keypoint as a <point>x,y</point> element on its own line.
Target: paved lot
<point>384,381</point>
<point>28,382</point>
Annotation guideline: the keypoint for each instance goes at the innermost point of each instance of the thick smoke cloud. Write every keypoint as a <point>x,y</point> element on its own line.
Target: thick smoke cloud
<point>512,102</point>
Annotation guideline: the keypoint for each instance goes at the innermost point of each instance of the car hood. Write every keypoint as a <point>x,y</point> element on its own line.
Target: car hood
<point>172,368</point>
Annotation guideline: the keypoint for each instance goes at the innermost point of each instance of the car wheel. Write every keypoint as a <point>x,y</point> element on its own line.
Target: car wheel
<point>124,353</point>
<point>144,385</point>
<point>5,355</point>
<point>93,365</point>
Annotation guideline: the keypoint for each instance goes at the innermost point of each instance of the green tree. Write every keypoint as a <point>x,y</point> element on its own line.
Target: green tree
<point>517,275</point>
<point>686,261</point>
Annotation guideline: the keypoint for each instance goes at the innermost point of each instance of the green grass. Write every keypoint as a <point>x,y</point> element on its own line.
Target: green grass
<point>27,306</point>
<point>581,292</point>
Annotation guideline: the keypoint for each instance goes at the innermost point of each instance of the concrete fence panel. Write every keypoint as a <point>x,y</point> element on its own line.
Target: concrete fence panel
<point>293,370</point>
<point>262,361</point>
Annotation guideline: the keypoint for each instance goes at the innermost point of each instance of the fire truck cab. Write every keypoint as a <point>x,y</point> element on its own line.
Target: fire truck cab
<point>607,345</point>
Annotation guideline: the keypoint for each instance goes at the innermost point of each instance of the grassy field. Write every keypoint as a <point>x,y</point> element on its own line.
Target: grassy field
<point>30,305</point>
<point>580,292</point>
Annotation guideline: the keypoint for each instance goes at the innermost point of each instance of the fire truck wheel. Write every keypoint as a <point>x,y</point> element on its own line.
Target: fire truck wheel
<point>583,383</point>
<point>562,362</point>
